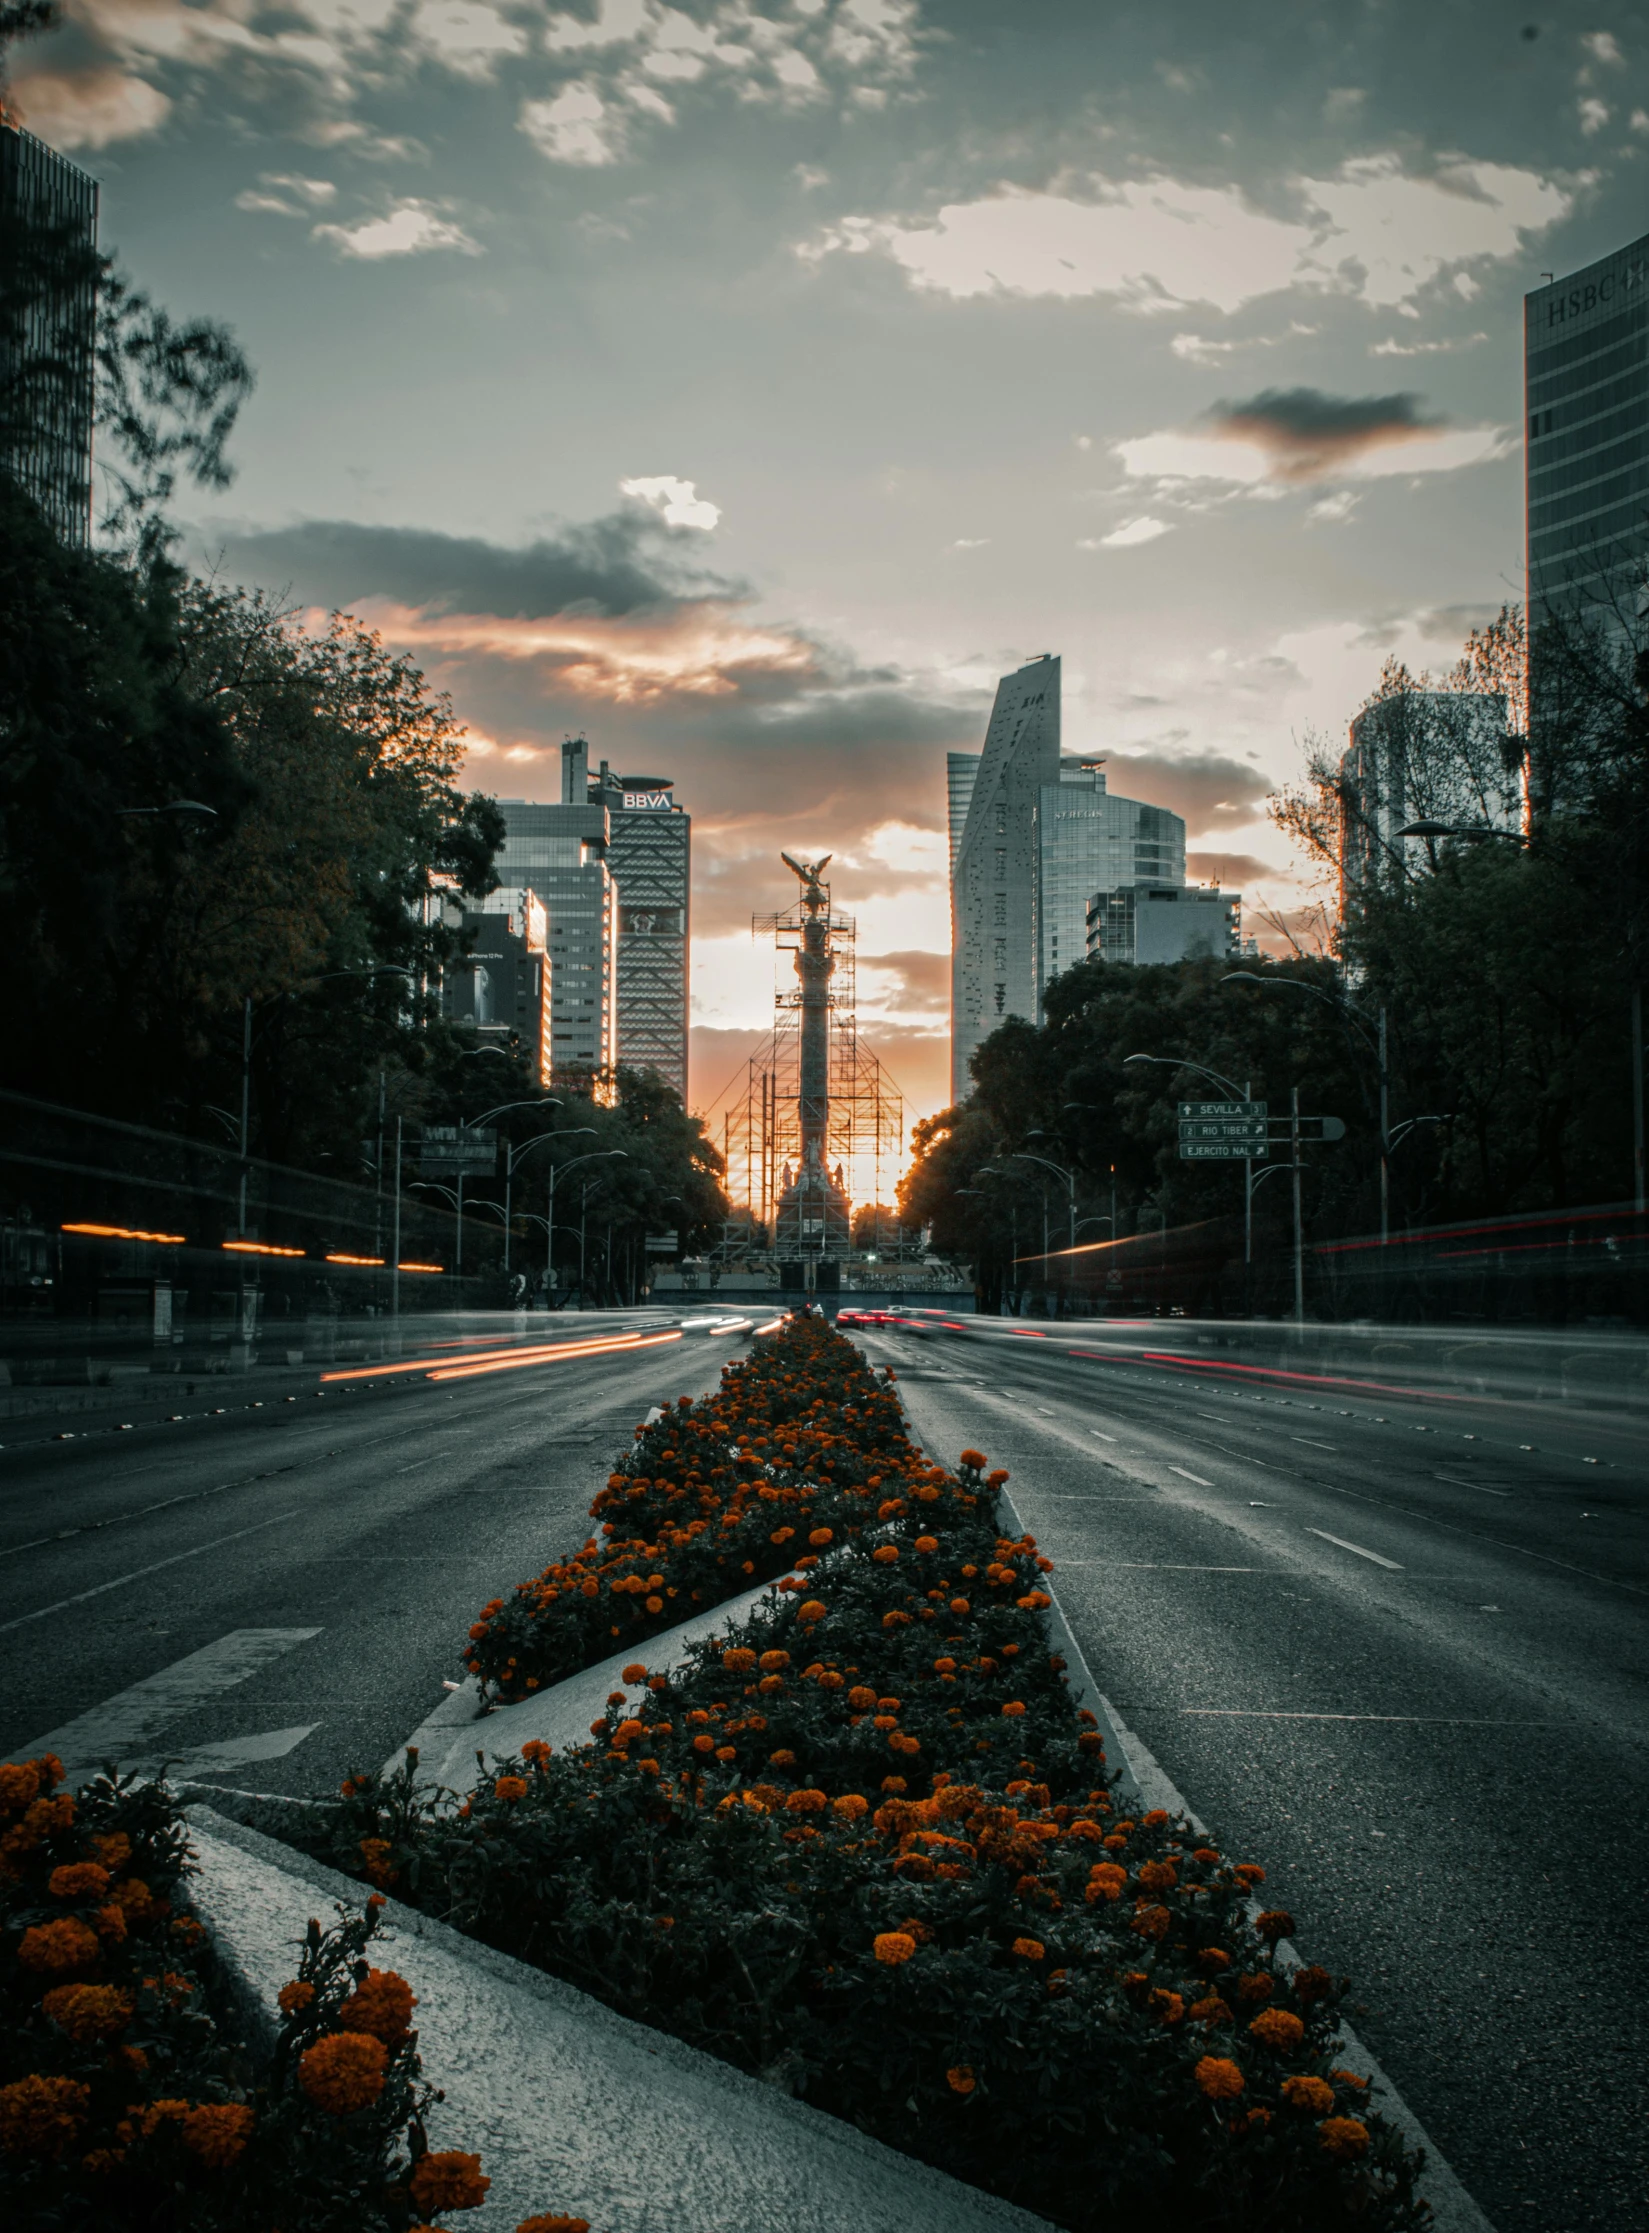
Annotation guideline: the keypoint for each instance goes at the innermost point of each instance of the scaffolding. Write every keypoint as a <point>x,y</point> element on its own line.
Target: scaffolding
<point>760,1122</point>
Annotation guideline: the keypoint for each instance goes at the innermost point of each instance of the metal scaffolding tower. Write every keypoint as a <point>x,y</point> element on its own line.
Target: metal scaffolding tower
<point>760,1126</point>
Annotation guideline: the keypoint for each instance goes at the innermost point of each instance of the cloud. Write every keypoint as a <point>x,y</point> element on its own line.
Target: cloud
<point>1234,871</point>
<point>408,228</point>
<point>1294,437</point>
<point>467,37</point>
<point>922,979</point>
<point>616,23</point>
<point>677,503</point>
<point>1157,244</point>
<point>1145,529</point>
<point>574,127</point>
<point>287,194</point>
<point>88,108</point>
<point>1604,47</point>
<point>1209,789</point>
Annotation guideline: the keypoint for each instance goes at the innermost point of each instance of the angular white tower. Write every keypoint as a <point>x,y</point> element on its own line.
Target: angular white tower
<point>993,893</point>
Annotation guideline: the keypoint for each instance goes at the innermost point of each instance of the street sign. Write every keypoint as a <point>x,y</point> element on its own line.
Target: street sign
<point>663,1244</point>
<point>1221,1151</point>
<point>1320,1128</point>
<point>457,1147</point>
<point>1223,1108</point>
<point>1222,1128</point>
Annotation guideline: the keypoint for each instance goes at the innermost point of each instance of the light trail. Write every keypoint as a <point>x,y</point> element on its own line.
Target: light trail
<point>531,1353</point>
<point>625,1344</point>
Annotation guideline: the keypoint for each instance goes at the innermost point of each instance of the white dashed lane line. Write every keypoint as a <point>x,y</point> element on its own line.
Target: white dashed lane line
<point>1196,1477</point>
<point>1390,1564</point>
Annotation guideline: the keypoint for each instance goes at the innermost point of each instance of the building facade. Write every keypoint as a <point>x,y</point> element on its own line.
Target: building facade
<point>650,859</point>
<point>1092,840</point>
<point>502,987</point>
<point>994,900</point>
<point>1586,384</point>
<point>1421,755</point>
<point>48,328</point>
<point>1142,923</point>
<point>559,852</point>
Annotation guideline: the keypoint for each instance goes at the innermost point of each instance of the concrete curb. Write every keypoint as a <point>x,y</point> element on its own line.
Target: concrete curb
<point>1453,2209</point>
<point>572,2107</point>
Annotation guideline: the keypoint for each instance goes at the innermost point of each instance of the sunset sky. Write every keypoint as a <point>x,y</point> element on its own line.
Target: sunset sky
<point>749,387</point>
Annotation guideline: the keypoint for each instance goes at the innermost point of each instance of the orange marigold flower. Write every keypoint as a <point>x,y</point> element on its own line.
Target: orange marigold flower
<point>960,1605</point>
<point>885,1553</point>
<point>217,2131</point>
<point>510,1788</point>
<point>821,1536</point>
<point>381,2007</point>
<point>344,2072</point>
<point>535,1752</point>
<point>1275,1923</point>
<point>78,1880</point>
<point>894,1947</point>
<point>1248,1872</point>
<point>19,1785</point>
<point>850,1806</point>
<point>976,1458</point>
<point>298,1994</point>
<point>114,1849</point>
<point>961,2079</point>
<point>1350,2078</point>
<point>738,1661</point>
<point>1210,2011</point>
<point>1312,1983</point>
<point>88,2013</point>
<point>704,1744</point>
<point>811,1610</point>
<point>1158,1876</point>
<point>1151,1922</point>
<point>1219,2078</point>
<point>1029,1949</point>
<point>450,2180</point>
<point>861,1698</point>
<point>1106,1882</point>
<point>783,1758</point>
<point>1014,1706</point>
<point>807,1802</point>
<point>927,1542</point>
<point>1344,2138</point>
<point>1303,2092</point>
<point>41,2116</point>
<point>554,2225</point>
<point>65,1944</point>
<point>1277,2027</point>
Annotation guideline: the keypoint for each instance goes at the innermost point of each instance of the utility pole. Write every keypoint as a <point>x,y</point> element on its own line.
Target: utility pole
<point>245,1104</point>
<point>1636,1099</point>
<point>1385,1138</point>
<point>1299,1246</point>
<point>395,1275</point>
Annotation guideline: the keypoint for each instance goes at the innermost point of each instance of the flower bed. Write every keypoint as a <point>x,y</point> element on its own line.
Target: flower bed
<point>864,1846</point>
<point>125,2100</point>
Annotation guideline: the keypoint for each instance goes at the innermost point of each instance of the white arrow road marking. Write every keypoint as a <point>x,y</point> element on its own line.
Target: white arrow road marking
<point>132,1720</point>
<point>1197,1477</point>
<point>241,1752</point>
<point>1390,1564</point>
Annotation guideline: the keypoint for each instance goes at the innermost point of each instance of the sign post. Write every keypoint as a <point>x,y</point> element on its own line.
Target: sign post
<point>460,1149</point>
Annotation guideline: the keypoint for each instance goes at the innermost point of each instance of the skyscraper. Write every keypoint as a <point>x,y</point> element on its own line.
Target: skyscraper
<point>649,855</point>
<point>560,853</point>
<point>502,987</point>
<point>48,328</point>
<point>1089,840</point>
<point>993,893</point>
<point>1437,755</point>
<point>1586,379</point>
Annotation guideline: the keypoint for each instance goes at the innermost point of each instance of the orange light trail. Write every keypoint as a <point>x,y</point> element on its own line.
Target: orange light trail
<point>529,1355</point>
<point>340,1259</point>
<point>125,1233</point>
<point>625,1342</point>
<point>260,1248</point>
<point>420,1267</point>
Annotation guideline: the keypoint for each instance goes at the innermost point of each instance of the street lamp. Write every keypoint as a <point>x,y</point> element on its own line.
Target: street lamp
<point>172,806</point>
<point>1022,1155</point>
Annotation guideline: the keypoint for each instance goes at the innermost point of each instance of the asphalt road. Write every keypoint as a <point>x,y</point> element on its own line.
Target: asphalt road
<point>313,1563</point>
<point>1399,1657</point>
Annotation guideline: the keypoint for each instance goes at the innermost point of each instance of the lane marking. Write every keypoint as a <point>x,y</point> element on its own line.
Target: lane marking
<point>241,1752</point>
<point>1332,1447</point>
<point>1481,1486</point>
<point>1101,1437</point>
<point>1430,1721</point>
<point>136,1575</point>
<point>1163,1566</point>
<point>416,1463</point>
<point>1197,1477</point>
<point>118,1519</point>
<point>136,1717</point>
<point>1390,1564</point>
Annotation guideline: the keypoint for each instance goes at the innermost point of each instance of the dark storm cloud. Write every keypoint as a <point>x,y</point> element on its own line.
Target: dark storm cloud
<point>1209,790</point>
<point>625,563</point>
<point>1309,433</point>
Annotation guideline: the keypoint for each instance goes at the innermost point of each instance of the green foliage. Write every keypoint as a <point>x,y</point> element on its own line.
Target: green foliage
<point>863,1846</point>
